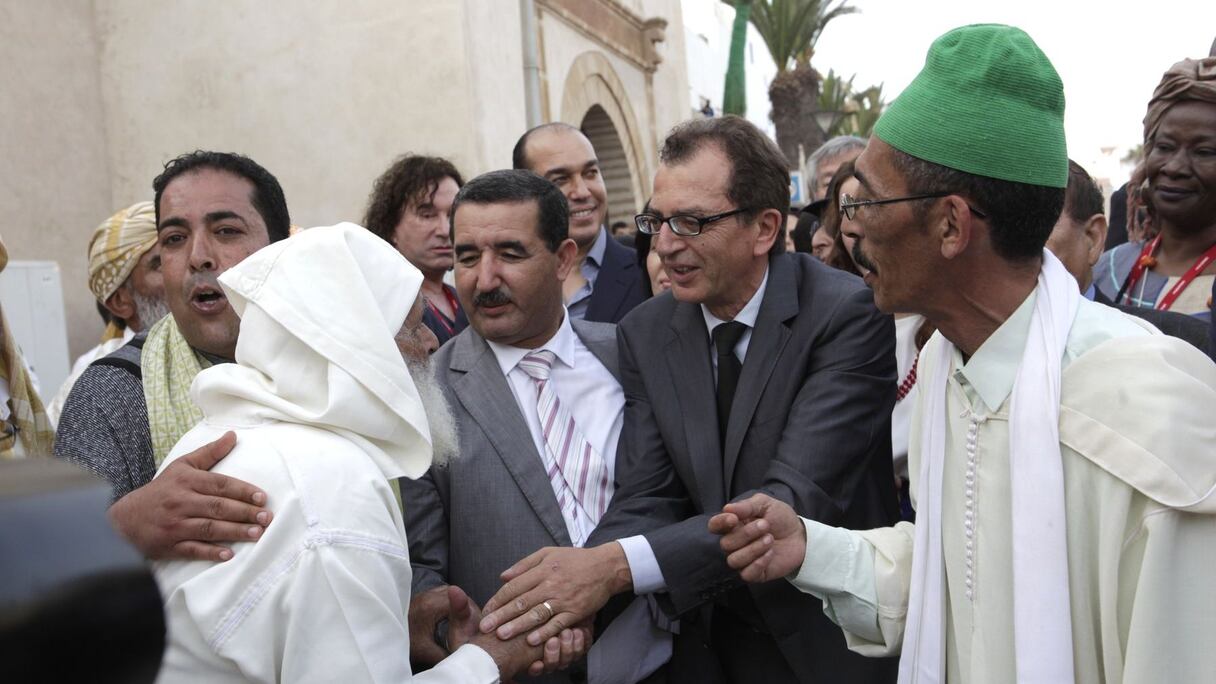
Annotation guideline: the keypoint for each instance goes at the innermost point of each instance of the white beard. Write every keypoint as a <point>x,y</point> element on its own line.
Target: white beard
<point>149,309</point>
<point>445,440</point>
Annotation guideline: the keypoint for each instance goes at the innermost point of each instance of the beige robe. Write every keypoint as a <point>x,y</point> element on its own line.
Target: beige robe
<point>1138,441</point>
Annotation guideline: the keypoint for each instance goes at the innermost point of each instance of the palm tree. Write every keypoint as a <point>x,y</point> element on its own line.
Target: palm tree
<point>856,110</point>
<point>790,29</point>
<point>734,99</point>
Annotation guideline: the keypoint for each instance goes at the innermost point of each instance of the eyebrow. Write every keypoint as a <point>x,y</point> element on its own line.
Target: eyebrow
<point>567,170</point>
<point>223,215</point>
<point>510,244</point>
<point>862,180</point>
<point>465,248</point>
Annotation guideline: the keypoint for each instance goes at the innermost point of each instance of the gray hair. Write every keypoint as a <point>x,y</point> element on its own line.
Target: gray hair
<point>830,150</point>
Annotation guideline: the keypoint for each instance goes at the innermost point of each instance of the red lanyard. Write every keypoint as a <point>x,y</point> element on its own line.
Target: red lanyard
<point>1146,260</point>
<point>443,320</point>
<point>909,382</point>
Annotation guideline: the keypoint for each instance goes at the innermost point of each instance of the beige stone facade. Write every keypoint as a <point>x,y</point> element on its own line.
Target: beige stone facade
<point>99,95</point>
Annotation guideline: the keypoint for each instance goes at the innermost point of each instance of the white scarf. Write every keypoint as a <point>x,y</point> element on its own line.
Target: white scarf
<point>1041,608</point>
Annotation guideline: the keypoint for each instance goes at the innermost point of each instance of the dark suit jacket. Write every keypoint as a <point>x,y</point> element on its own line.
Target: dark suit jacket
<point>493,505</point>
<point>810,425</point>
<point>618,286</point>
<point>1171,323</point>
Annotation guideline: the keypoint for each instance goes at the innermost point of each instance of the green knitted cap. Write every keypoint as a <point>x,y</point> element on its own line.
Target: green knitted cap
<point>988,102</point>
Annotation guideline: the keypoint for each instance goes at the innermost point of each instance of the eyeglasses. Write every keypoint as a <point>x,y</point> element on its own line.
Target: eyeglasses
<point>681,224</point>
<point>848,204</point>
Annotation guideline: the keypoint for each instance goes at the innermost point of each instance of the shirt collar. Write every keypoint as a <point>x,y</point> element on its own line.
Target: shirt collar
<point>747,315</point>
<point>561,344</point>
<point>596,254</point>
<point>994,366</point>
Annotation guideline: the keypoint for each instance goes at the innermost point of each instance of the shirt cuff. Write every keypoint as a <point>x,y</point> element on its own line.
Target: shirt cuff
<point>838,568</point>
<point>829,566</point>
<point>643,566</point>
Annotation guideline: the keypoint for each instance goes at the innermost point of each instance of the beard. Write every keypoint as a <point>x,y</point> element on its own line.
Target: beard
<point>445,440</point>
<point>149,309</point>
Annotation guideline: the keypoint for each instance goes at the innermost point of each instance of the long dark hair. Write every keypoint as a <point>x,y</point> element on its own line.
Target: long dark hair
<point>839,256</point>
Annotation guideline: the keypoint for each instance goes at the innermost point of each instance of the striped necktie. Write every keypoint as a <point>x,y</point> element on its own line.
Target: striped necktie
<point>576,471</point>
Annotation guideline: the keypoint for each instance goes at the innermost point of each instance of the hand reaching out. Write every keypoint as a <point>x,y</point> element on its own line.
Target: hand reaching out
<point>764,539</point>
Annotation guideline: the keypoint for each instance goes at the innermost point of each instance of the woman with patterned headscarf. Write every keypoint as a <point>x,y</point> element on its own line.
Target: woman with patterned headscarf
<point>1175,269</point>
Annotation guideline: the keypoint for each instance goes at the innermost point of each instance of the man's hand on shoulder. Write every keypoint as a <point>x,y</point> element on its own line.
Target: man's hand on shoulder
<point>574,583</point>
<point>188,511</point>
<point>764,539</point>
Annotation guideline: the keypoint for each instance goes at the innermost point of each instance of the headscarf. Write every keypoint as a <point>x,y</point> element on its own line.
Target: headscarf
<point>318,315</point>
<point>116,248</point>
<point>27,422</point>
<point>1190,79</point>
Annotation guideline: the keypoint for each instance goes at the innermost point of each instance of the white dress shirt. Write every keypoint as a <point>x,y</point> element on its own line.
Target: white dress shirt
<point>584,386</point>
<point>647,576</point>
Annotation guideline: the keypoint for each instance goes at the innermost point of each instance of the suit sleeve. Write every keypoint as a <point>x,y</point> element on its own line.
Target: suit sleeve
<point>649,492</point>
<point>834,448</point>
<point>426,527</point>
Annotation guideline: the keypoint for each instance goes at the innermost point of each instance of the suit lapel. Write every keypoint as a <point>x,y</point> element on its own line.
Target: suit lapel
<point>612,283</point>
<point>482,390</point>
<point>603,347</point>
<point>769,338</point>
<point>687,352</point>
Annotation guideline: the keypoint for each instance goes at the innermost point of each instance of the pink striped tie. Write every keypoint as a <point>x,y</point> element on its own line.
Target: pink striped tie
<point>576,471</point>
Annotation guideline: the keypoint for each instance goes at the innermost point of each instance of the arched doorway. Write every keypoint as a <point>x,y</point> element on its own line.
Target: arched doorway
<point>614,165</point>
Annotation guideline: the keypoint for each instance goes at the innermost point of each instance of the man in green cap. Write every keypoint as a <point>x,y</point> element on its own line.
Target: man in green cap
<point>1061,451</point>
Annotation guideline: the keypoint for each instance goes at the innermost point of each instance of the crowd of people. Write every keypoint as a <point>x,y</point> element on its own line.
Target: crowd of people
<point>934,426</point>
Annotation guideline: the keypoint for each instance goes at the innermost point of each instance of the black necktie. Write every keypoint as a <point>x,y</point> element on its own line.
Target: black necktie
<point>726,336</point>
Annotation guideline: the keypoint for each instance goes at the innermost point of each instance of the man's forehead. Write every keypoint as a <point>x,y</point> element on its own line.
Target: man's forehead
<point>493,222</point>
<point>697,182</point>
<point>562,148</point>
<point>210,187</point>
<point>873,169</point>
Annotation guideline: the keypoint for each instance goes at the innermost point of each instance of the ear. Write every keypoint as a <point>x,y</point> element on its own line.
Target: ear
<point>121,304</point>
<point>954,226</point>
<point>770,222</point>
<point>567,257</point>
<point>1095,234</point>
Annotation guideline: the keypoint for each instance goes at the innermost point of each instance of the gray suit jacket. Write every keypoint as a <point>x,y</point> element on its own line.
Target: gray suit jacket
<point>493,505</point>
<point>810,425</point>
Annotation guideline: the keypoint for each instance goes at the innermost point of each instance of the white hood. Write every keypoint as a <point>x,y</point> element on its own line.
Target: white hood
<point>318,315</point>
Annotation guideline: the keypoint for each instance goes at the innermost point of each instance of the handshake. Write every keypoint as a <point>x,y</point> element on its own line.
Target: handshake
<point>541,617</point>
<point>429,643</point>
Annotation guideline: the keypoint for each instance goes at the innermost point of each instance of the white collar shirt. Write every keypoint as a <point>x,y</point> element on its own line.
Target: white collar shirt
<point>747,316</point>
<point>584,386</point>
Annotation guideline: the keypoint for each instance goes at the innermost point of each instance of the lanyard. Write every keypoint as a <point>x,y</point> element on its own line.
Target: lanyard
<point>909,382</point>
<point>443,320</point>
<point>1147,260</point>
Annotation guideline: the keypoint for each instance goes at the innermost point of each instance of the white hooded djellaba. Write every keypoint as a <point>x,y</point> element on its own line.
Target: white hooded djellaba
<point>326,415</point>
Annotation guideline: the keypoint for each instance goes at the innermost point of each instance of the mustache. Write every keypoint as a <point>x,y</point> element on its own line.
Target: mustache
<point>208,278</point>
<point>860,258</point>
<point>495,297</point>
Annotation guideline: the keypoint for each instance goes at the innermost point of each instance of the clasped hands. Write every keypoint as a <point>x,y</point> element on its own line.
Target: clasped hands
<point>556,587</point>
<point>429,608</point>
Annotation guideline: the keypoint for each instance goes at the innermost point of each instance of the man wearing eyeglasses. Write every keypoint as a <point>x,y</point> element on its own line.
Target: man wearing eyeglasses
<point>763,372</point>
<point>1061,454</point>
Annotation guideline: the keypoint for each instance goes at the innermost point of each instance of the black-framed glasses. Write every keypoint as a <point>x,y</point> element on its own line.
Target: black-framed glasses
<point>684,225</point>
<point>849,204</point>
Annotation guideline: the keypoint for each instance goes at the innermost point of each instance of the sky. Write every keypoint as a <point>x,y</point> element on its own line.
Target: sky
<point>1110,55</point>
